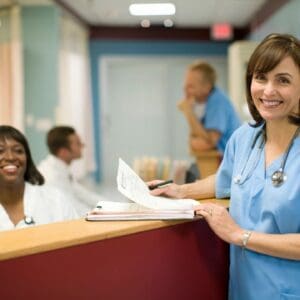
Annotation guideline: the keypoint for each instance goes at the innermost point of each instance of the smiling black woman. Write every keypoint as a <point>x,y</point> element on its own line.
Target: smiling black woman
<point>24,201</point>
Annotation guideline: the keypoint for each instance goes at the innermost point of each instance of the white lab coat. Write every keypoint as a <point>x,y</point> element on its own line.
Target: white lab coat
<point>57,173</point>
<point>42,204</point>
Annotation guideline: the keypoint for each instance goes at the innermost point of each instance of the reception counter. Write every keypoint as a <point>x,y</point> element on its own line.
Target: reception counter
<point>114,260</point>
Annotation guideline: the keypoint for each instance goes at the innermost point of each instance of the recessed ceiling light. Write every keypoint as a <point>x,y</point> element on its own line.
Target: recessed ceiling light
<point>168,23</point>
<point>152,9</point>
<point>145,23</point>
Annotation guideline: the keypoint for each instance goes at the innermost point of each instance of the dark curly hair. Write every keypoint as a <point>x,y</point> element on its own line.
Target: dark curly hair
<point>31,175</point>
<point>267,55</point>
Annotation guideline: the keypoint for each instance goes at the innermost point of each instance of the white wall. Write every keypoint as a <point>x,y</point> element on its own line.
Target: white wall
<point>138,108</point>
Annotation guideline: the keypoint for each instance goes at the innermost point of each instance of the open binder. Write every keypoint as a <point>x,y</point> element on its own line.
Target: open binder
<point>154,214</point>
<point>143,205</point>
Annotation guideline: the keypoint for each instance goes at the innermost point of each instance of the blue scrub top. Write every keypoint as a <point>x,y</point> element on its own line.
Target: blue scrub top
<point>220,116</point>
<point>259,206</point>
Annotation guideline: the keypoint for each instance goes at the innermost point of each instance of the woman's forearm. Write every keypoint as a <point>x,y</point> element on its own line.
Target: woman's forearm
<point>279,245</point>
<point>201,189</point>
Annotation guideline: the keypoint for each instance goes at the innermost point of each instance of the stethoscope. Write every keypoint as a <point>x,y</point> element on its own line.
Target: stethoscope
<point>29,220</point>
<point>279,176</point>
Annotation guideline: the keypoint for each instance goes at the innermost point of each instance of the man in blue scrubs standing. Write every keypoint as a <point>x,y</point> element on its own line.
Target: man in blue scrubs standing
<point>260,173</point>
<point>207,109</point>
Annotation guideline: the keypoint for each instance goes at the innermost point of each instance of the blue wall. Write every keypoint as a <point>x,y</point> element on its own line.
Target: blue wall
<point>40,30</point>
<point>98,48</point>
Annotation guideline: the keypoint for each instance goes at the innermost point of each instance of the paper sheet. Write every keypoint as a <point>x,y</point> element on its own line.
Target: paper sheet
<point>135,189</point>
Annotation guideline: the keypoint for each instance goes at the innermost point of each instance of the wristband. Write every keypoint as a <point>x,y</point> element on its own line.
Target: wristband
<point>246,237</point>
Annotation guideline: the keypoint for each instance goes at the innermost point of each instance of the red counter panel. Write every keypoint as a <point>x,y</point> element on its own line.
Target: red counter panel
<point>185,261</point>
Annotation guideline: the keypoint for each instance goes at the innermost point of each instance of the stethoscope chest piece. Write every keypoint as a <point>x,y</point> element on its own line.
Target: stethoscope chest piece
<point>28,220</point>
<point>278,178</point>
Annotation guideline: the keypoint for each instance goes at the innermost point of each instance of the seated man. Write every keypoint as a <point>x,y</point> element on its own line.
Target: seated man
<point>208,111</point>
<point>65,146</point>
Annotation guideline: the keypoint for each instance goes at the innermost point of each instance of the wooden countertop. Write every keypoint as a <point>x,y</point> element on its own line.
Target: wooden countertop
<point>37,239</point>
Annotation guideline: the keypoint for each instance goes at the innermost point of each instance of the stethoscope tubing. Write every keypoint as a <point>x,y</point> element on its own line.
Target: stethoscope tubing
<point>279,176</point>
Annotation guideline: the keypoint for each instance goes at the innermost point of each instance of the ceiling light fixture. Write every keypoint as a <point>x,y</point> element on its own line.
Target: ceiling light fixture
<point>152,9</point>
<point>145,23</point>
<point>168,23</point>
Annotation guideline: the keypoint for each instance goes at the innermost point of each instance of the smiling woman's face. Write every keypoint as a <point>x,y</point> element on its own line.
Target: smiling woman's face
<point>13,162</point>
<point>276,94</point>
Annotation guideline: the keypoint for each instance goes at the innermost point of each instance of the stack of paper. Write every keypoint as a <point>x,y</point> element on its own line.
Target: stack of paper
<point>144,206</point>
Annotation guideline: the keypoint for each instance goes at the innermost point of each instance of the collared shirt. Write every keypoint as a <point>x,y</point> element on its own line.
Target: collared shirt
<point>57,173</point>
<point>255,204</point>
<point>220,116</point>
<point>42,205</point>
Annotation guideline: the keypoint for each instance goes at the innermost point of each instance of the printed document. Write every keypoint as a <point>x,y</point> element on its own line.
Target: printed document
<point>144,206</point>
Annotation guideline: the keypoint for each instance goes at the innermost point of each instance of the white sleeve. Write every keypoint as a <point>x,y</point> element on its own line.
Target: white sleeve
<point>85,195</point>
<point>47,204</point>
<point>68,210</point>
<point>63,208</point>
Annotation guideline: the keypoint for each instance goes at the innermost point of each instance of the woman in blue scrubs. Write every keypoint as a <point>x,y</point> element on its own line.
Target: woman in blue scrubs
<point>260,173</point>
